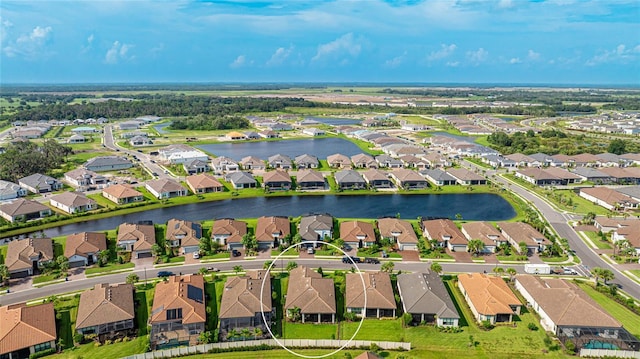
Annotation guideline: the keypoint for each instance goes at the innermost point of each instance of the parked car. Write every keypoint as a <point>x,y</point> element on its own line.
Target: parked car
<point>165,273</point>
<point>569,271</point>
<point>384,254</point>
<point>196,255</point>
<point>155,174</point>
<point>310,250</point>
<point>213,269</point>
<point>236,253</point>
<point>347,259</point>
<point>372,260</point>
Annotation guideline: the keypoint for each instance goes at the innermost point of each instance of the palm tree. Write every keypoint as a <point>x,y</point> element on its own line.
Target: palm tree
<point>387,267</point>
<point>267,264</point>
<point>4,274</point>
<point>291,266</point>
<point>245,333</point>
<point>512,273</point>
<point>619,245</point>
<point>597,273</point>
<point>607,275</point>
<point>232,334</point>
<point>498,271</point>
<point>475,246</point>
<point>257,332</point>
<point>238,269</point>
<point>436,267</point>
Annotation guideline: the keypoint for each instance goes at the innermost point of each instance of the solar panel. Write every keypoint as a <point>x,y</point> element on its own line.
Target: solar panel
<point>195,293</point>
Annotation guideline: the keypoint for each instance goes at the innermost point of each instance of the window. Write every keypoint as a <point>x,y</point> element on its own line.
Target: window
<point>42,346</point>
<point>356,310</point>
<point>448,321</point>
<point>174,314</point>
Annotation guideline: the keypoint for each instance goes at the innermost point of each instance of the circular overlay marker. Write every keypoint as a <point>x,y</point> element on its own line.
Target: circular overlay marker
<point>364,289</point>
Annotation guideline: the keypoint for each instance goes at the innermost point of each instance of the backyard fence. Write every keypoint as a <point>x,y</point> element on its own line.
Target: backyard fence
<point>608,353</point>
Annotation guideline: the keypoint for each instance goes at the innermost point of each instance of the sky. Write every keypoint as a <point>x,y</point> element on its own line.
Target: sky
<point>372,41</point>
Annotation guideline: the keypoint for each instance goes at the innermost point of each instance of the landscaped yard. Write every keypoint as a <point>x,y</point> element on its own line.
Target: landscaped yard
<point>108,268</point>
<point>629,320</point>
<point>597,240</point>
<point>309,331</point>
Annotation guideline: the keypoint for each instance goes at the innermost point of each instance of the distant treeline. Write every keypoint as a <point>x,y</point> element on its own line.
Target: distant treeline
<point>210,122</point>
<point>166,105</point>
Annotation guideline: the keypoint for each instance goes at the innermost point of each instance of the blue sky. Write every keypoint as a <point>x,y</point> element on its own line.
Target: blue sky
<point>432,41</point>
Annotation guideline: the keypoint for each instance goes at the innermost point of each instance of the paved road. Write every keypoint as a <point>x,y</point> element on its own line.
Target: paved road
<point>558,221</point>
<point>145,159</point>
<point>82,284</point>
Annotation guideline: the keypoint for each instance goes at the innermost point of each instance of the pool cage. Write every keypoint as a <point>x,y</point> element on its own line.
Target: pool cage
<point>599,338</point>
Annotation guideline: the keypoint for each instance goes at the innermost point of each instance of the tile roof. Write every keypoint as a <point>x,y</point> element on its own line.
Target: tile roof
<point>523,232</point>
<point>276,176</point>
<point>105,304</point>
<point>85,242</point>
<point>608,195</point>
<point>348,176</point>
<point>20,253</point>
<point>375,174</point>
<point>189,233</point>
<point>174,294</point>
<point>22,206</point>
<point>309,175</point>
<point>310,292</point>
<point>565,303</point>
<point>121,191</point>
<point>241,295</point>
<point>484,231</point>
<point>394,227</point>
<point>354,231</point>
<point>22,326</point>
<point>464,174</point>
<point>309,224</point>
<point>425,293</point>
<point>444,229</point>
<point>378,289</point>
<point>268,226</point>
<point>164,185</point>
<point>403,174</point>
<point>228,226</point>
<point>203,180</point>
<point>338,159</point>
<point>72,199</point>
<point>489,295</point>
<point>143,234</point>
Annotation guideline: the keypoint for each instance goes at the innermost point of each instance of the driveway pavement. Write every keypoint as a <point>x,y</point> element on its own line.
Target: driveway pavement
<point>141,263</point>
<point>461,257</point>
<point>410,256</point>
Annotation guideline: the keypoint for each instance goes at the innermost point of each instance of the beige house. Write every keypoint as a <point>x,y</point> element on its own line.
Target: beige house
<point>485,232</point>
<point>73,202</point>
<point>204,183</point>
<point>380,300</point>
<point>25,255</point>
<point>136,238</point>
<point>446,233</point>
<point>229,232</point>
<point>122,194</point>
<point>517,232</point>
<point>242,306</point>
<point>401,232</point>
<point>165,188</point>
<point>23,210</point>
<point>106,309</point>
<point>272,231</point>
<point>489,298</point>
<point>185,235</point>
<point>312,295</point>
<point>357,234</point>
<point>82,248</point>
<point>26,330</point>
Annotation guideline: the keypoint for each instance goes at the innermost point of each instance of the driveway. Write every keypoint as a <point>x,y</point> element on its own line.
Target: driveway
<point>19,284</point>
<point>460,257</point>
<point>409,256</point>
<point>142,263</point>
<point>264,254</point>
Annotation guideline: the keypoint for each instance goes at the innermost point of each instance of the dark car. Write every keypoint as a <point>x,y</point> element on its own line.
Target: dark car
<point>165,273</point>
<point>236,253</point>
<point>372,260</point>
<point>347,259</point>
<point>213,269</point>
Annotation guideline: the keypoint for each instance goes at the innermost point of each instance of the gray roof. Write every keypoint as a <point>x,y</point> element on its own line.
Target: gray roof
<point>425,293</point>
<point>589,172</point>
<point>240,177</point>
<point>279,159</point>
<point>348,176</point>
<point>610,157</point>
<point>22,206</point>
<point>106,161</point>
<point>38,180</point>
<point>7,187</point>
<point>384,159</point>
<point>308,225</point>
<point>633,191</point>
<point>438,175</point>
<point>306,158</point>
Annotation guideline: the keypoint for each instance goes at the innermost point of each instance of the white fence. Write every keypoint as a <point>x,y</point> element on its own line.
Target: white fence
<point>289,343</point>
<point>608,353</point>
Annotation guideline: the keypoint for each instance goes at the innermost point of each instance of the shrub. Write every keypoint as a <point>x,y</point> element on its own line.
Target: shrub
<point>571,348</point>
<point>375,348</point>
<point>107,342</point>
<point>350,316</point>
<point>42,353</point>
<point>78,338</point>
<point>532,326</point>
<point>486,325</point>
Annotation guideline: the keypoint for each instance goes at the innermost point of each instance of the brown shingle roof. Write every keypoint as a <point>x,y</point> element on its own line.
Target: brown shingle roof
<point>608,195</point>
<point>143,234</point>
<point>85,242</point>
<point>378,288</point>
<point>227,226</point>
<point>173,294</point>
<point>22,206</point>
<point>121,191</point>
<point>523,232</point>
<point>464,174</point>
<point>310,292</point>
<point>268,226</point>
<point>484,231</point>
<point>443,229</point>
<point>72,199</point>
<point>489,295</point>
<point>241,296</point>
<point>20,253</point>
<point>309,175</point>
<point>393,227</point>
<point>105,304</point>
<point>565,303</point>
<point>276,176</point>
<point>354,231</point>
<point>189,233</point>
<point>203,180</point>
<point>22,326</point>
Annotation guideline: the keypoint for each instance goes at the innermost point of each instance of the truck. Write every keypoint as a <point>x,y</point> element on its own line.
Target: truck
<point>537,268</point>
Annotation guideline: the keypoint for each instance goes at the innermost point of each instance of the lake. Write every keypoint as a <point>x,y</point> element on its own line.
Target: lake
<point>319,147</point>
<point>481,206</point>
<point>334,121</point>
<point>161,128</point>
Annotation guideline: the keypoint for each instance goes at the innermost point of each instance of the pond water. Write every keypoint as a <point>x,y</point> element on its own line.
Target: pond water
<point>161,128</point>
<point>319,147</point>
<point>334,121</point>
<point>482,206</point>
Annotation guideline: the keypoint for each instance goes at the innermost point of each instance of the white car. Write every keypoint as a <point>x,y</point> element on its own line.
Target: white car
<point>196,255</point>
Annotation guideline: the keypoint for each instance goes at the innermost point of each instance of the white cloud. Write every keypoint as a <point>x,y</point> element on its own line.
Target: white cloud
<point>90,39</point>
<point>505,4</point>
<point>118,52</point>
<point>396,61</point>
<point>453,63</point>
<point>515,60</point>
<point>533,56</point>
<point>478,56</point>
<point>344,45</point>
<point>445,51</point>
<point>621,54</point>
<point>279,56</point>
<point>5,25</point>
<point>28,45</point>
<point>239,62</point>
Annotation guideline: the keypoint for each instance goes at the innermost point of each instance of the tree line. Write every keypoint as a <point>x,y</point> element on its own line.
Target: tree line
<point>22,159</point>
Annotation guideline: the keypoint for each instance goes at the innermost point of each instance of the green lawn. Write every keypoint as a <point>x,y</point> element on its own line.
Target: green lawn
<point>118,350</point>
<point>309,331</point>
<point>108,268</point>
<point>597,240</point>
<point>374,329</point>
<point>629,320</point>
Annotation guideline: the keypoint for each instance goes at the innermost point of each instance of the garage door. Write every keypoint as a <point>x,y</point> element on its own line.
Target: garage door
<point>145,255</point>
<point>20,274</point>
<point>76,264</point>
<point>235,246</point>
<point>409,247</point>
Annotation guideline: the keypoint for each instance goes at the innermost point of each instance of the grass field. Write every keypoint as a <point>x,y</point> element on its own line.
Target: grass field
<point>629,320</point>
<point>108,268</point>
<point>597,240</point>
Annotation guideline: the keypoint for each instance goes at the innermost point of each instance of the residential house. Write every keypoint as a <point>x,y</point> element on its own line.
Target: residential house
<point>224,164</point>
<point>268,134</point>
<point>489,298</point>
<point>517,232</point>
<point>611,160</point>
<point>572,315</point>
<point>179,313</point>
<point>180,153</point>
<point>229,232</point>
<point>81,178</point>
<point>376,178</point>
<point>73,202</point>
<point>592,175</point>
<point>497,161</point>
<point>466,177</point>
<point>23,210</point>
<point>107,163</point>
<point>607,224</point>
<point>485,232</point>
<point>315,227</point>
<point>10,190</point>
<point>310,295</point>
<point>585,160</point>
<point>252,135</point>
<point>357,234</point>
<point>279,161</point>
<point>380,301</point>
<point>400,232</point>
<point>414,162</point>
<point>203,183</point>
<point>313,131</point>
<point>408,179</point>
<point>625,176</point>
<point>129,125</point>
<point>425,297</point>
<point>522,160</point>
<point>244,301</point>
<point>235,136</point>
<point>310,180</point>
<point>277,180</point>
<point>82,248</point>
<point>609,198</point>
<point>538,177</point>
<point>26,255</point>
<point>631,234</point>
<point>362,160</point>
<point>272,231</point>
<point>38,183</point>
<point>165,188</point>
<point>306,161</point>
<point>631,191</point>
<point>136,238</point>
<point>184,235</point>
<point>241,180</point>
<point>349,179</point>
<point>387,161</point>
<point>27,330</point>
<point>195,166</point>
<point>252,163</point>
<point>106,310</point>
<point>122,194</point>
<point>338,160</point>
<point>439,177</point>
<point>436,160</point>
<point>140,141</point>
<point>565,176</point>
<point>445,232</point>
<point>76,139</point>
